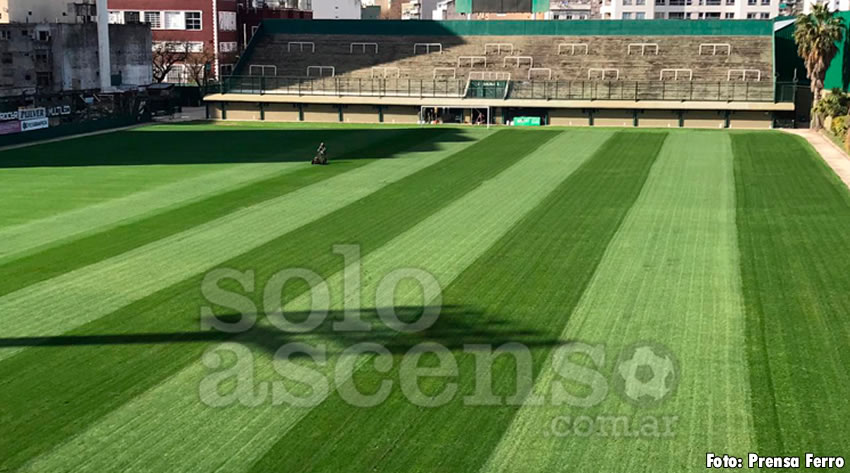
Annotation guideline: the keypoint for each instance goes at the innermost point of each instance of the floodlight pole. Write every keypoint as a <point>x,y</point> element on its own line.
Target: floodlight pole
<point>103,46</point>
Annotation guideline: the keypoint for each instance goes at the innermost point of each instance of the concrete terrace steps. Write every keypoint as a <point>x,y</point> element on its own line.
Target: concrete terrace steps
<point>674,52</point>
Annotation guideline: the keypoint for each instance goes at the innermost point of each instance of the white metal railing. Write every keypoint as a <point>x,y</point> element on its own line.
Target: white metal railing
<point>573,47</point>
<point>675,73</point>
<point>643,47</point>
<point>301,45</point>
<point>517,60</point>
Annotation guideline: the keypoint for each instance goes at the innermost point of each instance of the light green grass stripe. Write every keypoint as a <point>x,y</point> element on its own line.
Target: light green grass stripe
<point>20,239</point>
<point>168,427</point>
<point>670,276</point>
<point>30,194</point>
<point>57,305</point>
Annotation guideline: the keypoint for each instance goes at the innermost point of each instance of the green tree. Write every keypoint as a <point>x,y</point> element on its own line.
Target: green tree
<point>817,35</point>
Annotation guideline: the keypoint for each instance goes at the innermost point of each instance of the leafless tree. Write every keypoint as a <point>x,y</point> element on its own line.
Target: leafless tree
<point>165,56</point>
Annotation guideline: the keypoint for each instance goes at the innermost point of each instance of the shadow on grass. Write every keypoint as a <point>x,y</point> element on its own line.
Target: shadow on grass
<point>455,327</point>
<point>202,144</point>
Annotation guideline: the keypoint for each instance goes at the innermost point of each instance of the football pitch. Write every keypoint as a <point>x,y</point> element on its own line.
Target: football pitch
<point>199,298</point>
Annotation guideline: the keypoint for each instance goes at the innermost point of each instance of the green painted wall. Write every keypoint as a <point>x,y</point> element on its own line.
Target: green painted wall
<point>523,28</point>
<point>787,60</point>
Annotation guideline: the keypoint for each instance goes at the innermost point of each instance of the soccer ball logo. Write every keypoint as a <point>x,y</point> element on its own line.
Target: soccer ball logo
<point>646,374</point>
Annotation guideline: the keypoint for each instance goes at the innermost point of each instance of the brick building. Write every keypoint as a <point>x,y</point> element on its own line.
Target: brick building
<point>197,24</point>
<point>250,13</point>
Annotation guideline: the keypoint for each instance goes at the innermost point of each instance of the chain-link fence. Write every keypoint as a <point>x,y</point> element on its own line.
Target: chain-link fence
<point>720,91</point>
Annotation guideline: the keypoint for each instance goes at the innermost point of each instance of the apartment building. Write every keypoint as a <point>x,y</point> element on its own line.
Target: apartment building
<point>46,11</point>
<point>60,57</point>
<point>198,24</point>
<point>690,9</point>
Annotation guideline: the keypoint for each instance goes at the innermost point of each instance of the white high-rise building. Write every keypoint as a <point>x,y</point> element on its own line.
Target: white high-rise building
<point>337,9</point>
<point>690,9</point>
<point>840,5</point>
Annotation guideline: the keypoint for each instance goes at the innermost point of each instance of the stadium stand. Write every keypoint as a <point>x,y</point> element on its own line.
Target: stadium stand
<point>728,63</point>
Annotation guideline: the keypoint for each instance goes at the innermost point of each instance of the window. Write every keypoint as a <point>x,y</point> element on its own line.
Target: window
<point>176,75</point>
<point>227,21</point>
<point>195,46</point>
<point>640,15</point>
<point>712,16</point>
<point>6,58</point>
<point>41,57</point>
<point>627,16</point>
<point>174,20</point>
<point>730,16</point>
<point>764,16</point>
<point>132,17</point>
<point>227,47</point>
<point>765,2</point>
<point>116,17</point>
<point>751,2</point>
<point>751,16</point>
<point>627,2</point>
<point>661,3</point>
<point>226,70</point>
<point>5,35</point>
<point>640,2</point>
<point>712,3</point>
<point>193,21</point>
<point>730,2</point>
<point>153,18</point>
<point>42,79</point>
<point>676,15</point>
<point>44,36</point>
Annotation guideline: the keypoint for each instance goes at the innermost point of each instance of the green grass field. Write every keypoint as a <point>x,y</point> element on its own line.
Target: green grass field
<point>553,262</point>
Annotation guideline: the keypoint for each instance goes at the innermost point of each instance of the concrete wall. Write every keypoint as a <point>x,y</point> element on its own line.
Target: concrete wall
<point>658,119</point>
<point>66,54</point>
<point>705,119</point>
<point>282,112</point>
<point>36,11</point>
<point>568,117</point>
<point>360,114</point>
<point>397,114</point>
<point>328,113</point>
<point>758,120</point>
<point>318,113</point>
<point>243,111</point>
<point>216,111</point>
<point>613,118</point>
<point>75,55</point>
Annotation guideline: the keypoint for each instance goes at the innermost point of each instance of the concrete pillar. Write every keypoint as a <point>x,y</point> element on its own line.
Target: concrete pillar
<point>103,45</point>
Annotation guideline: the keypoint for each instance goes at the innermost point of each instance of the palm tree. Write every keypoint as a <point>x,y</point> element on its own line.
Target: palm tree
<point>817,35</point>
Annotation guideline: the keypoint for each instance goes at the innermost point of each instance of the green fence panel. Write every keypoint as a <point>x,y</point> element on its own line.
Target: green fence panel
<point>68,129</point>
<point>522,27</point>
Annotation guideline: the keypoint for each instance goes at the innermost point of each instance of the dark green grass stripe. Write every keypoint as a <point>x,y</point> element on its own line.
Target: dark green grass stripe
<point>60,386</point>
<point>56,260</point>
<point>522,290</point>
<point>793,219</point>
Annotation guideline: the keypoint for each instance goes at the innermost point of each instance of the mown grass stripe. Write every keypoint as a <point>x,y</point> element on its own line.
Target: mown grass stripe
<point>210,179</point>
<point>52,262</point>
<point>522,290</point>
<point>30,194</point>
<point>56,389</point>
<point>228,439</point>
<point>56,305</point>
<point>793,218</point>
<point>670,277</point>
<point>93,218</point>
